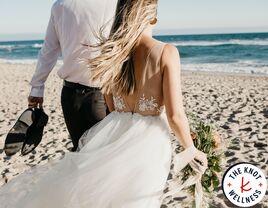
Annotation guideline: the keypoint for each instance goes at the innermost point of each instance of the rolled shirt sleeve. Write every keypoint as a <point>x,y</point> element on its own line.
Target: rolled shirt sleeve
<point>47,59</point>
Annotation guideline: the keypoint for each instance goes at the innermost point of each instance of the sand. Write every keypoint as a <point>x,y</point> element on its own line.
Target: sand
<point>237,103</point>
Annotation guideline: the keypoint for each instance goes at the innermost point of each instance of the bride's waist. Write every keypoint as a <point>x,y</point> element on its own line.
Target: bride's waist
<point>137,114</point>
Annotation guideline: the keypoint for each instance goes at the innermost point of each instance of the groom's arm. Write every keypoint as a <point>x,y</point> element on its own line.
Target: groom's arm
<point>47,59</point>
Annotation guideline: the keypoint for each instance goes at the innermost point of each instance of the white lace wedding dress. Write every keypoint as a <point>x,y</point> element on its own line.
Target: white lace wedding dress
<point>123,161</point>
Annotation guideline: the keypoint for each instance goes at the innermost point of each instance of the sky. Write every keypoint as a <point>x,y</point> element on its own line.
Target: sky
<point>28,19</point>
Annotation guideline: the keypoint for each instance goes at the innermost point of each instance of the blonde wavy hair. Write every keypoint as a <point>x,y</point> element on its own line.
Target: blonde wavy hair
<point>113,68</point>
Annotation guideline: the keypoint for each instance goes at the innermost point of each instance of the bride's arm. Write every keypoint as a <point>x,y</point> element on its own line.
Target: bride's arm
<point>170,66</point>
<point>109,101</point>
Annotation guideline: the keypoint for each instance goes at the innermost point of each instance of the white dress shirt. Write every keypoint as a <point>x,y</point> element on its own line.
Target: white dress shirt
<point>72,23</point>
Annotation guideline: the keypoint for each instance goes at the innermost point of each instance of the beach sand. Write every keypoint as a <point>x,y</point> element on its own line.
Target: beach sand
<point>238,104</point>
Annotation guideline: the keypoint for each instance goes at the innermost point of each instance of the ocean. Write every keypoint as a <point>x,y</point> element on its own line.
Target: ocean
<point>236,53</point>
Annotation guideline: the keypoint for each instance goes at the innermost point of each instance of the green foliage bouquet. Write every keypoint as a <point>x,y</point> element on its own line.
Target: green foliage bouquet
<point>207,140</point>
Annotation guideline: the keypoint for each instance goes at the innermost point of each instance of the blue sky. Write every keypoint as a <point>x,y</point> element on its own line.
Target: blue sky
<point>28,19</point>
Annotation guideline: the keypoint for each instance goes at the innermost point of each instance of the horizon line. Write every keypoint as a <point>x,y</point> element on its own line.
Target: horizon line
<point>157,34</point>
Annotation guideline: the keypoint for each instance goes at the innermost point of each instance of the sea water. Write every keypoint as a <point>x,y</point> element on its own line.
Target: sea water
<point>242,53</point>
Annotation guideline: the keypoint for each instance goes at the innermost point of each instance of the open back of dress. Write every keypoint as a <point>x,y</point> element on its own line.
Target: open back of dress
<point>148,96</point>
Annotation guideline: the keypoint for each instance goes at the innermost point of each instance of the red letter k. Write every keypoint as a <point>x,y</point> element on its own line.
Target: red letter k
<point>244,185</point>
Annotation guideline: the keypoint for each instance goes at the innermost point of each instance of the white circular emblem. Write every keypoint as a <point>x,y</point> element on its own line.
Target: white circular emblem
<point>244,184</point>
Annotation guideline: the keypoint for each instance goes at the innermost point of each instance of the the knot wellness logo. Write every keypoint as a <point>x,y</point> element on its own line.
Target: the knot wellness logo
<point>244,184</point>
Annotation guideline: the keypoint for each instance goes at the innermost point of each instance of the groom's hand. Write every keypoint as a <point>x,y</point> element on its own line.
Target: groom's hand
<point>34,102</point>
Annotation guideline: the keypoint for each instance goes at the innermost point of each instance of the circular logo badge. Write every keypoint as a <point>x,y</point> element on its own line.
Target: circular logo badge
<point>244,184</point>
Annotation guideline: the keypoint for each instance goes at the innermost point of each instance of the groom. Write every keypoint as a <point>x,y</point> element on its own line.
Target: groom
<point>71,24</point>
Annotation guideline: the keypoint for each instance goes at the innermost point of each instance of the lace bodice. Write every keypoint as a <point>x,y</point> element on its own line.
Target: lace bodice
<point>147,105</point>
<point>148,98</point>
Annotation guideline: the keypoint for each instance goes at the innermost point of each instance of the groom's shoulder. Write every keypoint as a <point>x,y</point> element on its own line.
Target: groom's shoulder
<point>57,4</point>
<point>60,3</point>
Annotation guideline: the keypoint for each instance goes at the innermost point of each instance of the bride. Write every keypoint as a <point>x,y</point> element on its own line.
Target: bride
<point>124,160</point>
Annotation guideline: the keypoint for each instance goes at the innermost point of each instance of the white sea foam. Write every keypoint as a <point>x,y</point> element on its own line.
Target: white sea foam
<point>258,42</point>
<point>248,67</point>
<point>37,45</point>
<point>8,47</point>
<point>239,67</point>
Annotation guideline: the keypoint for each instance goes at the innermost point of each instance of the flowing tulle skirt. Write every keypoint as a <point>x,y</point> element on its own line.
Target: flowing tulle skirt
<point>123,162</point>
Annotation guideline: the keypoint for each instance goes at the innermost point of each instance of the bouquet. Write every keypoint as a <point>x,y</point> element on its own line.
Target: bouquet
<point>207,140</point>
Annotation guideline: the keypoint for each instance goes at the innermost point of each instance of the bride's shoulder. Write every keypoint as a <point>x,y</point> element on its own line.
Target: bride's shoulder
<point>170,56</point>
<point>167,48</point>
<point>170,52</point>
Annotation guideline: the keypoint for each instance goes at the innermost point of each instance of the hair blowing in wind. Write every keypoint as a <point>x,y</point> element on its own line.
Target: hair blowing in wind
<point>113,68</point>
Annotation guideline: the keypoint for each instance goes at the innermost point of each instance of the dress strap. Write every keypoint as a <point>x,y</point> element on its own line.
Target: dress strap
<point>161,49</point>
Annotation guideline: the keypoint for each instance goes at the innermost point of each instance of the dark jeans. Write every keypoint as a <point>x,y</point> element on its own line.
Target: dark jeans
<point>82,108</point>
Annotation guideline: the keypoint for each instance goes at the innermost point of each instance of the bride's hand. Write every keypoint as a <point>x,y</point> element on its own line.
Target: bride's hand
<point>201,157</point>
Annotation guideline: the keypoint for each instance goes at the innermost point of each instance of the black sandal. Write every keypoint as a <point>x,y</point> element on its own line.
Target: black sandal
<point>35,131</point>
<point>17,135</point>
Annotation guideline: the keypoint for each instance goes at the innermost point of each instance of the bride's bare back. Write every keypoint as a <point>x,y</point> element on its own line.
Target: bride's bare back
<point>147,98</point>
